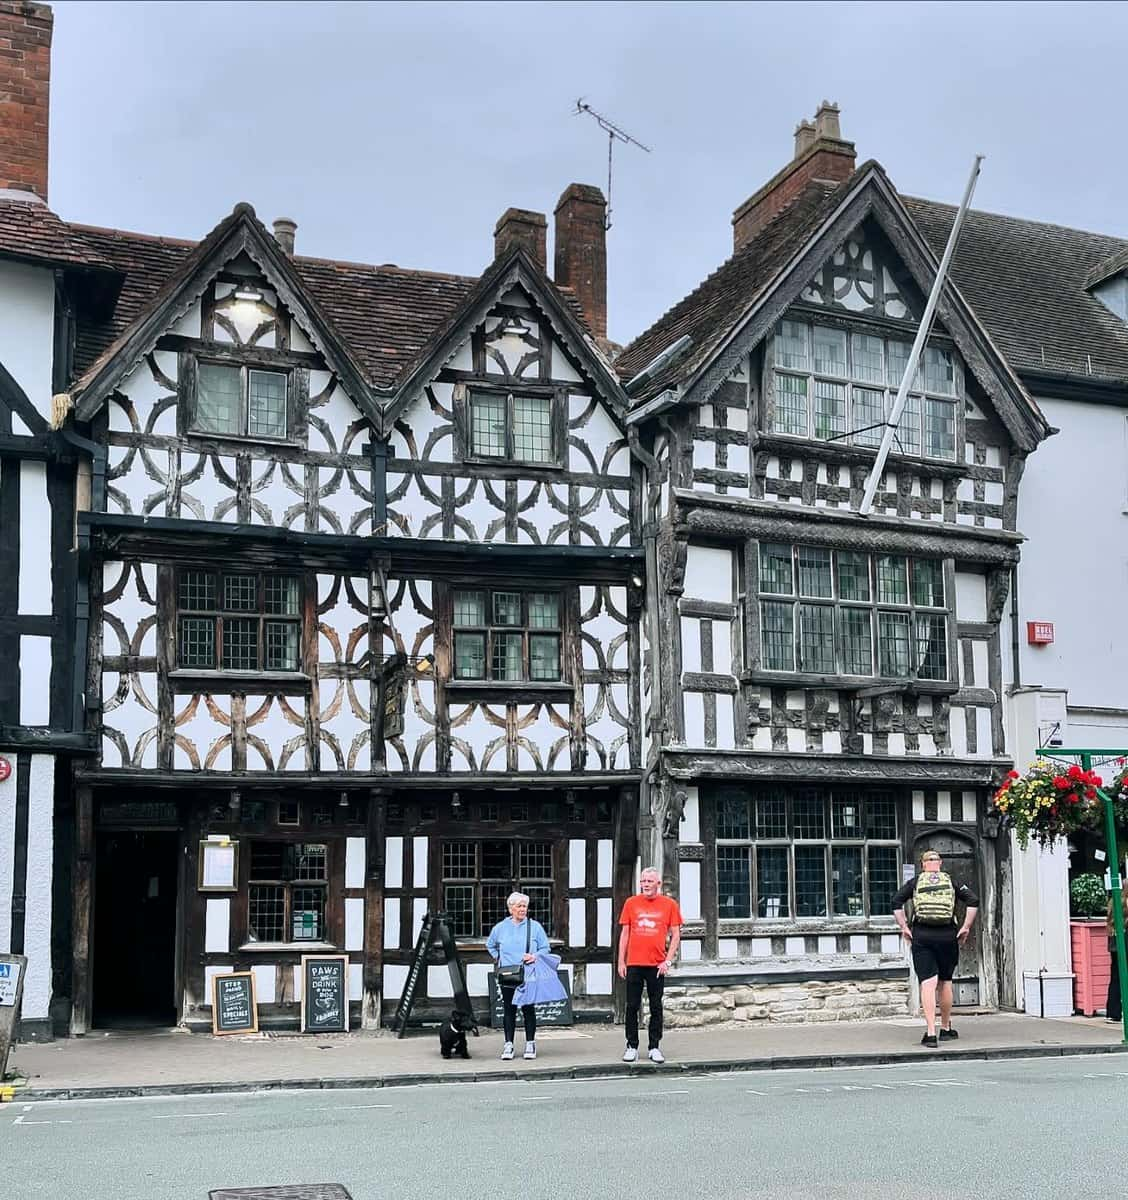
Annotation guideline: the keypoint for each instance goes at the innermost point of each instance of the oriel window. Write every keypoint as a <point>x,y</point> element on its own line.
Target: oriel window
<point>508,635</point>
<point>238,621</point>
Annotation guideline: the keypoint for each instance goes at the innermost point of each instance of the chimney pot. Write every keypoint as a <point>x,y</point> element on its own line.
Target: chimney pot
<point>25,95</point>
<point>525,228</point>
<point>804,138</point>
<point>284,230</point>
<point>581,251</point>
<point>821,156</point>
<point>826,121</point>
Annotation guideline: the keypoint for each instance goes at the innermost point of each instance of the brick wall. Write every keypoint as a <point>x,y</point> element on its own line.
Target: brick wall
<point>25,82</point>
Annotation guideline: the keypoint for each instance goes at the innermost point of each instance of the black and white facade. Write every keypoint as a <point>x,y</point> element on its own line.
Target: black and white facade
<point>831,687</point>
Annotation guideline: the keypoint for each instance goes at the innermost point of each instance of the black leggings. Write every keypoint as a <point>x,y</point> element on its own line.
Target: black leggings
<point>509,1016</point>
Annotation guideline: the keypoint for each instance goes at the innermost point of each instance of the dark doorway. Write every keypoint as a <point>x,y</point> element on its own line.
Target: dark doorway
<point>135,929</point>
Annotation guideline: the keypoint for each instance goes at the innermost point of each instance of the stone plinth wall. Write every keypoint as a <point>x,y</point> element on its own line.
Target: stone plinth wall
<point>691,1005</point>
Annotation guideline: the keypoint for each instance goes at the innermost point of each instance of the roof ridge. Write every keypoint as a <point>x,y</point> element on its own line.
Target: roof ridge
<point>987,212</point>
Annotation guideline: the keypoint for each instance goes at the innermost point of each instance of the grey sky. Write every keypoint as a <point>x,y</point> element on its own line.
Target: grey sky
<point>400,132</point>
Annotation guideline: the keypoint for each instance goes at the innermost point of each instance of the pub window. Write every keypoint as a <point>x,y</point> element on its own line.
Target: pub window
<point>240,401</point>
<point>513,426</point>
<point>287,891</point>
<point>849,613</point>
<point>807,853</point>
<point>835,386</point>
<point>236,621</point>
<point>477,877</point>
<point>506,635</point>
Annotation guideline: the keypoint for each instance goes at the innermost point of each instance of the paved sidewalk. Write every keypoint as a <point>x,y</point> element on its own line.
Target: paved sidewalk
<point>176,1062</point>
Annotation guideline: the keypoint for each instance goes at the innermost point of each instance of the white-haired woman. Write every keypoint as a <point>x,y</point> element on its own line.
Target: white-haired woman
<point>515,940</point>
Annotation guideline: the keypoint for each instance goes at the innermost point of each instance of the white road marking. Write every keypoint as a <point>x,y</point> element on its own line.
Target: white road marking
<point>347,1107</point>
<point>187,1116</point>
<point>682,1092</point>
<point>22,1120</point>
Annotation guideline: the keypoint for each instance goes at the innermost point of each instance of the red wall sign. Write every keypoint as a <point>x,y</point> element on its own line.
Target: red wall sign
<point>1039,633</point>
<point>5,769</point>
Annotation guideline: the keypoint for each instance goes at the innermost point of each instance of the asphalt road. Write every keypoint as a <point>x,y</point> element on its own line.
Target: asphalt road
<point>969,1131</point>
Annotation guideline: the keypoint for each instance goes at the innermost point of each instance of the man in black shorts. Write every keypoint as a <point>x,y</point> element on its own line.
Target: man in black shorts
<point>935,938</point>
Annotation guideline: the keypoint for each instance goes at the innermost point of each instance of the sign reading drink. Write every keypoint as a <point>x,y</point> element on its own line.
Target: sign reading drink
<point>233,1003</point>
<point>325,999</point>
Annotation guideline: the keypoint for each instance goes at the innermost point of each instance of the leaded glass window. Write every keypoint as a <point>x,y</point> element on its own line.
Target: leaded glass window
<point>478,876</point>
<point>287,892</point>
<point>240,401</point>
<point>514,426</point>
<point>238,621</point>
<point>806,853</point>
<point>837,388</point>
<point>848,613</point>
<point>507,636</point>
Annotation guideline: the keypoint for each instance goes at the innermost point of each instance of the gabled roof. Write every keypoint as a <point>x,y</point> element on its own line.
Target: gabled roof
<point>515,268</point>
<point>239,233</point>
<point>1027,282</point>
<point>735,307</point>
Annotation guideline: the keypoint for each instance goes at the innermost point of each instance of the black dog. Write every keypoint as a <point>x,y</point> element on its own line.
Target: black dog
<point>452,1034</point>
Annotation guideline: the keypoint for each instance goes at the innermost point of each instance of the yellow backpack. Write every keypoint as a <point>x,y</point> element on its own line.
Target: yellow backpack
<point>934,903</point>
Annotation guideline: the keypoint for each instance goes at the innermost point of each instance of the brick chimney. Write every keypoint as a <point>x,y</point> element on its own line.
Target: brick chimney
<point>581,251</point>
<point>821,155</point>
<point>520,227</point>
<point>285,230</point>
<point>25,85</point>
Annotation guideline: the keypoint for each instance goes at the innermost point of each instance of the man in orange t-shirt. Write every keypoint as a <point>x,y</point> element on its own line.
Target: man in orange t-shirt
<point>645,924</point>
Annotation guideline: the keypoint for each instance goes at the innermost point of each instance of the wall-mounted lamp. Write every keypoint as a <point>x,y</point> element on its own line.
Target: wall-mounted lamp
<point>455,803</point>
<point>249,293</point>
<point>425,664</point>
<point>637,581</point>
<point>235,803</point>
<point>344,800</point>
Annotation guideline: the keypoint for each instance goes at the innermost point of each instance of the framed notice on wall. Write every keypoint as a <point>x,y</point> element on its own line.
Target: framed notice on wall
<point>233,1003</point>
<point>219,865</point>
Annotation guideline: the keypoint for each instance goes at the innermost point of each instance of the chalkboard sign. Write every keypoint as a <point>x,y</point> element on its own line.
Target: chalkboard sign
<point>233,1003</point>
<point>555,1012</point>
<point>325,994</point>
<point>434,932</point>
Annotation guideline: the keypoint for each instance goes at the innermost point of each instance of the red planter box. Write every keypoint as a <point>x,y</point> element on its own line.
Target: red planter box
<point>1092,965</point>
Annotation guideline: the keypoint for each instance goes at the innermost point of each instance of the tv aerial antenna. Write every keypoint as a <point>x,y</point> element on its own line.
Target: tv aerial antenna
<point>614,134</point>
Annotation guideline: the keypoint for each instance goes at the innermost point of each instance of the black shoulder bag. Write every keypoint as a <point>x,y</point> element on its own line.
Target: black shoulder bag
<point>514,976</point>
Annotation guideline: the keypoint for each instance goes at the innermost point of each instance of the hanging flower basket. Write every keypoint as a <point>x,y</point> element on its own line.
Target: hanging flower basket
<point>1048,802</point>
<point>1117,791</point>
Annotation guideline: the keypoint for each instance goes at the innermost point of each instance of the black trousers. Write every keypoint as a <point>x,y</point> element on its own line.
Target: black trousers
<point>509,1016</point>
<point>655,984</point>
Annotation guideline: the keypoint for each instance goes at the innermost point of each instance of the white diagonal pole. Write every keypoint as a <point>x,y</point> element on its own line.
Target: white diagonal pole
<point>918,346</point>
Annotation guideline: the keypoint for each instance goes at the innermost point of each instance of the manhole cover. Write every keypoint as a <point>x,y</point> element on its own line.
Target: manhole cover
<point>301,1191</point>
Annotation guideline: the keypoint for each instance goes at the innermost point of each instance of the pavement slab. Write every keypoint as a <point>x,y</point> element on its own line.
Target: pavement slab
<point>175,1062</point>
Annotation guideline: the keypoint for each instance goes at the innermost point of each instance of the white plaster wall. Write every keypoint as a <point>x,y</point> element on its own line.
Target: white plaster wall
<point>35,680</point>
<point>40,860</point>
<point>708,574</point>
<point>35,541</point>
<point>7,854</point>
<point>1089,655</point>
<point>27,302</point>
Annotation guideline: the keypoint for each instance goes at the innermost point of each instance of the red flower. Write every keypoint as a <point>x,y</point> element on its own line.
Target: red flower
<point>1061,783</point>
<point>1012,775</point>
<point>1073,798</point>
<point>1074,771</point>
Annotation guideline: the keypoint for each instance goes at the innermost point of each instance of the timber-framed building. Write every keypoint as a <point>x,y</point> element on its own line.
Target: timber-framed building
<point>831,686</point>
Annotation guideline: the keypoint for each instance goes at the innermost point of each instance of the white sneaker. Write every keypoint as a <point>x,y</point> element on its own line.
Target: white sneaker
<point>656,1056</point>
<point>530,1050</point>
<point>630,1054</point>
<point>507,1052</point>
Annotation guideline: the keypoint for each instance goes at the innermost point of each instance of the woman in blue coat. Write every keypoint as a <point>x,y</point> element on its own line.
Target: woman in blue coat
<point>515,940</point>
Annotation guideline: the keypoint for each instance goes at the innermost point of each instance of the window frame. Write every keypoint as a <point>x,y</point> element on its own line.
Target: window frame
<point>788,842</point>
<point>852,379</point>
<point>287,886</point>
<point>218,614</point>
<point>557,431</point>
<point>245,369</point>
<point>524,629</point>
<point>798,601</point>
<point>516,881</point>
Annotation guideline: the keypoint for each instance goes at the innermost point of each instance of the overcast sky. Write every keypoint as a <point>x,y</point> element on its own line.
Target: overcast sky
<point>400,132</point>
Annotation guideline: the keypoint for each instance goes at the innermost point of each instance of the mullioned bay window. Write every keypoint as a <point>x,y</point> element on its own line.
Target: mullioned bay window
<point>806,852</point>
<point>840,612</point>
<point>831,384</point>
